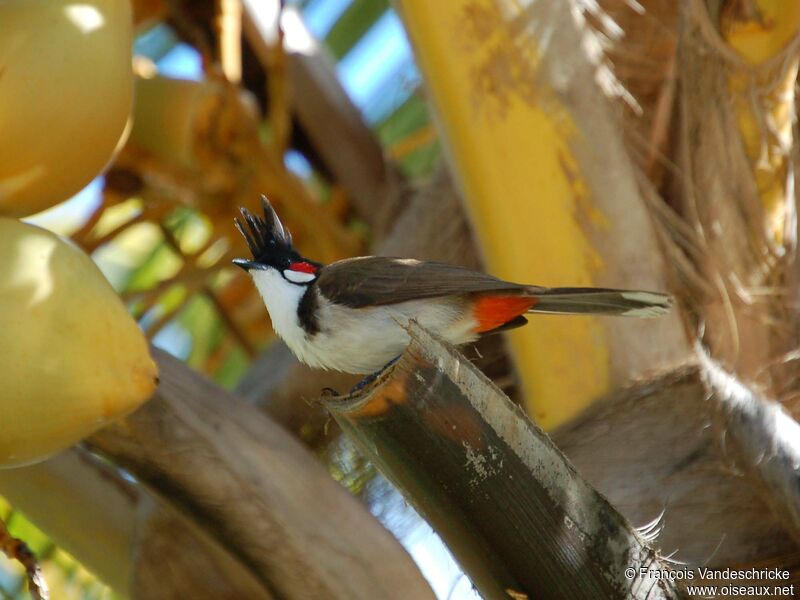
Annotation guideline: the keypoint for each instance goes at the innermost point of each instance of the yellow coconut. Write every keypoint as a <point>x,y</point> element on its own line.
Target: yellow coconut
<point>71,357</point>
<point>66,87</point>
<point>176,120</point>
<point>169,114</point>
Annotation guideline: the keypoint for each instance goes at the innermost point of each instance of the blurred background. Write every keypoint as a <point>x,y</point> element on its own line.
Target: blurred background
<point>146,225</point>
<point>639,144</point>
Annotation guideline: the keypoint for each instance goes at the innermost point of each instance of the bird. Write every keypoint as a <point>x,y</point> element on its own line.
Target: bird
<point>352,315</point>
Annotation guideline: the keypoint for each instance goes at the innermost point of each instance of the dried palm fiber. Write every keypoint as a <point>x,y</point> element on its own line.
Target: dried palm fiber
<point>745,310</point>
<point>764,98</point>
<point>639,41</point>
<point>700,270</point>
<point>713,134</point>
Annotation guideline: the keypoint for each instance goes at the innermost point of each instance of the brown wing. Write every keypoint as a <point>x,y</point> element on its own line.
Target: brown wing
<point>378,280</point>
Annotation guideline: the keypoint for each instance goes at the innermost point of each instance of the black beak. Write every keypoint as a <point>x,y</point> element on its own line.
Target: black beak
<point>246,264</point>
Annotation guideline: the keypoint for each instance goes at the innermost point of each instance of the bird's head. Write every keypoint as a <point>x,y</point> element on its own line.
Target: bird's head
<point>271,245</point>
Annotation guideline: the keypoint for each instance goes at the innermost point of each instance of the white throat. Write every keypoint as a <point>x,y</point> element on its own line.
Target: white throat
<point>282,299</point>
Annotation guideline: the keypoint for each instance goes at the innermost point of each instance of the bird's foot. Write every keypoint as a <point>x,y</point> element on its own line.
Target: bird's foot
<point>372,376</point>
<point>391,362</point>
<point>365,382</point>
<point>329,392</point>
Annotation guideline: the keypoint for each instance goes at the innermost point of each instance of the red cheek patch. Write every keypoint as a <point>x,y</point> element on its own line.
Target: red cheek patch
<point>303,267</point>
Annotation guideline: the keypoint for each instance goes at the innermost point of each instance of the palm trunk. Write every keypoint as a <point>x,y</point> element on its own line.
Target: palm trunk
<point>514,512</point>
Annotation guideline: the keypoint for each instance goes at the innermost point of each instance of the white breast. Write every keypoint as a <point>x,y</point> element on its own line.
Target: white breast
<point>357,340</point>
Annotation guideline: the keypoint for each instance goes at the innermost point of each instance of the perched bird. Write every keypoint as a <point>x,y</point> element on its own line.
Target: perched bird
<point>350,315</point>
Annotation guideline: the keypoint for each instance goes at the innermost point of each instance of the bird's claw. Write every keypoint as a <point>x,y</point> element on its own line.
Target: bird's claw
<point>364,382</point>
<point>372,376</point>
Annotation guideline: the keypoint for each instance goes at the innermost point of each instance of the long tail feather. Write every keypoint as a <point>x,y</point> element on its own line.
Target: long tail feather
<point>626,303</point>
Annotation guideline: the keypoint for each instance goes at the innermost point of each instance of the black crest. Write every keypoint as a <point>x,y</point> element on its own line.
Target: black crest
<point>265,236</point>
